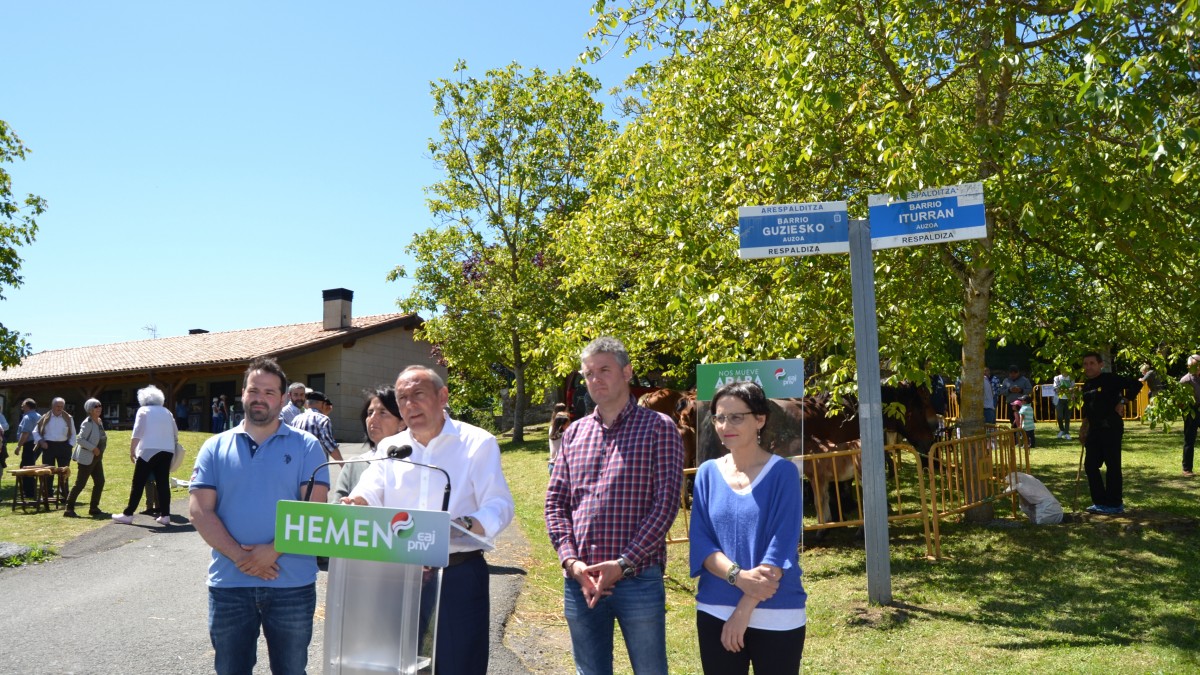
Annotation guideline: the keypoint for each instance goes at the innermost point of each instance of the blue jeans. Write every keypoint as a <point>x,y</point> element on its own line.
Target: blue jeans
<point>639,605</point>
<point>286,617</point>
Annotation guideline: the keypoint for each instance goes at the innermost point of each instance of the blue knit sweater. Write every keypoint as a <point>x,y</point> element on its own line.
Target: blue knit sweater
<point>754,526</point>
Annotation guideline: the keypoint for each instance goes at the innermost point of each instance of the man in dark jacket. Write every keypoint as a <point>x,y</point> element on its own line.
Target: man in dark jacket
<point>1104,397</point>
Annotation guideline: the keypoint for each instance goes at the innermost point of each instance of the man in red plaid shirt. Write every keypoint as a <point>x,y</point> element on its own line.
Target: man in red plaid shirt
<point>613,495</point>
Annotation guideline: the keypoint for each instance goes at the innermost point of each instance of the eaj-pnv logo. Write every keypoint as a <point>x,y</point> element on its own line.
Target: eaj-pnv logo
<point>402,523</point>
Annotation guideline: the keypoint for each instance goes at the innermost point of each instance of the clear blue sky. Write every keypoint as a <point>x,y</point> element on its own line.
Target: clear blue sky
<point>217,165</point>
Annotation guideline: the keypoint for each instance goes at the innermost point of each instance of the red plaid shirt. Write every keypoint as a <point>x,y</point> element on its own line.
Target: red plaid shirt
<point>615,490</point>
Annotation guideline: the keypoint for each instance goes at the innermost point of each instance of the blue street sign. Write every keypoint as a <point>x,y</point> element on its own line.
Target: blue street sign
<point>933,216</point>
<point>784,230</point>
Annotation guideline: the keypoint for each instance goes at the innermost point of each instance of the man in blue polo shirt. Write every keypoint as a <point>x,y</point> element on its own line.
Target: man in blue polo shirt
<point>239,477</point>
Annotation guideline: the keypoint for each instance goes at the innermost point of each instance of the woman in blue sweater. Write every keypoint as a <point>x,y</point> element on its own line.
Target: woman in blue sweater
<point>745,533</point>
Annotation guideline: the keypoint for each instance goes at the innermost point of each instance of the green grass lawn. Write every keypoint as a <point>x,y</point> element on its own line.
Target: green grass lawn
<point>1112,595</point>
<point>51,530</point>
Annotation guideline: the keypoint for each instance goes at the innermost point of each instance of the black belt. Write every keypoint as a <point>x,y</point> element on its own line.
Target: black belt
<point>464,556</point>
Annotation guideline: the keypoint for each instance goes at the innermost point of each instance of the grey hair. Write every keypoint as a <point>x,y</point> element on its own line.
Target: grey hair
<point>438,382</point>
<point>1193,360</point>
<point>90,405</point>
<point>58,399</point>
<point>297,386</point>
<point>151,395</point>
<point>606,345</point>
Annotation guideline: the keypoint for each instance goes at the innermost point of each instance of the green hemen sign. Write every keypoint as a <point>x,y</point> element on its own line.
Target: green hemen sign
<point>778,379</point>
<point>363,533</point>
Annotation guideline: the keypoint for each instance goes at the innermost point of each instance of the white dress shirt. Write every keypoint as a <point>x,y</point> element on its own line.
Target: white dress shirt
<point>472,458</point>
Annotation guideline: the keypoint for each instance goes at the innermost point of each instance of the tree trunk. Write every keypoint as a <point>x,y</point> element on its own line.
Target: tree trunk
<point>518,432</point>
<point>970,403</point>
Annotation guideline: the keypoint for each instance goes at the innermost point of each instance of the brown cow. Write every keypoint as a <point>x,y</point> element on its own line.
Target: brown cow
<point>809,425</point>
<point>680,406</point>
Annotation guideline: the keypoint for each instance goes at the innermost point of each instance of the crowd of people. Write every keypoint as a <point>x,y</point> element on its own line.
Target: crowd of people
<point>615,477</point>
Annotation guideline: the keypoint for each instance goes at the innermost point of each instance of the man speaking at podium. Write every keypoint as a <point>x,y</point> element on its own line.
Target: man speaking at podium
<point>479,501</point>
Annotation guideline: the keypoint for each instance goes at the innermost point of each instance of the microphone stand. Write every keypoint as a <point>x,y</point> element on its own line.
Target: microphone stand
<point>403,453</point>
<point>340,462</point>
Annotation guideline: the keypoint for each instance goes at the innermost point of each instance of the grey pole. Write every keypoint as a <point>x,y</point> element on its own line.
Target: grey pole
<point>870,414</point>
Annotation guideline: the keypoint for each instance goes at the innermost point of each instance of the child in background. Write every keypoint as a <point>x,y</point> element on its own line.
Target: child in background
<point>1026,413</point>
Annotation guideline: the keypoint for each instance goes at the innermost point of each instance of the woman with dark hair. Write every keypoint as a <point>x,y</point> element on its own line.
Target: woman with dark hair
<point>380,418</point>
<point>558,425</point>
<point>745,533</point>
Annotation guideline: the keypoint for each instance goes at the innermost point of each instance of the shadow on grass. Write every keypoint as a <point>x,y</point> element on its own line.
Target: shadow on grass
<point>1096,583</point>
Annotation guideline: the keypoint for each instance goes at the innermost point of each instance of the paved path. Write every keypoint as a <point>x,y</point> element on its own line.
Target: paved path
<point>132,599</point>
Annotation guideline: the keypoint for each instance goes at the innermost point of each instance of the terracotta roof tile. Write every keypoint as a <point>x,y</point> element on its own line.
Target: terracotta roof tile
<point>190,350</point>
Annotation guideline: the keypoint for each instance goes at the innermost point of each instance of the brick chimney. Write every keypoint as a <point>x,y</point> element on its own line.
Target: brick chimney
<point>337,308</point>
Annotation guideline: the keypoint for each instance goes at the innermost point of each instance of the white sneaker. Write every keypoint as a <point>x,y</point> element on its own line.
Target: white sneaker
<point>1067,437</point>
<point>163,520</point>
<point>122,518</point>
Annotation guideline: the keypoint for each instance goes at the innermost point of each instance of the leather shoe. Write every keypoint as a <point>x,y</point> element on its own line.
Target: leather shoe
<point>70,514</point>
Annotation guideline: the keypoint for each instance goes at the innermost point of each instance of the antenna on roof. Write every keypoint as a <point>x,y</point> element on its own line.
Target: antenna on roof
<point>152,329</point>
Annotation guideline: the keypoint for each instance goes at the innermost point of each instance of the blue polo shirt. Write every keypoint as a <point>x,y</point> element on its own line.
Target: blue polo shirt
<point>250,479</point>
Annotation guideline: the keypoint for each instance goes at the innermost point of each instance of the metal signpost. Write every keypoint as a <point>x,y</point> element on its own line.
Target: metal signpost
<point>937,215</point>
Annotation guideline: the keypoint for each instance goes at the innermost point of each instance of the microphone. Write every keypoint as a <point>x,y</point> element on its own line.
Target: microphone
<point>403,452</point>
<point>312,480</point>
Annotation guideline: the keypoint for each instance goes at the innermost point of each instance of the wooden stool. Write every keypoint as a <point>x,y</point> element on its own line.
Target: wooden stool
<point>44,477</point>
<point>59,496</point>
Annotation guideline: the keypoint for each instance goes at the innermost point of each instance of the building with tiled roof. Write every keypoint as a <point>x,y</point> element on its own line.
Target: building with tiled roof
<point>340,355</point>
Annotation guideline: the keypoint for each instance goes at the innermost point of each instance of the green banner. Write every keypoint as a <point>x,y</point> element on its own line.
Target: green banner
<point>363,533</point>
<point>779,379</point>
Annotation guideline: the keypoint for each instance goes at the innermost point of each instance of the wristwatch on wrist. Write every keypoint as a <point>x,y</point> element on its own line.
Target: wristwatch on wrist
<point>626,567</point>
<point>732,575</point>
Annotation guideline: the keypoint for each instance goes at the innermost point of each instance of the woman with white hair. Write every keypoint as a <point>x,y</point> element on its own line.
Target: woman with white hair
<point>89,451</point>
<point>151,450</point>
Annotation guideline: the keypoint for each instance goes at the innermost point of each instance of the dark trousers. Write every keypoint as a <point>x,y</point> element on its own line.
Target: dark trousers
<point>462,627</point>
<point>160,465</point>
<point>1190,426</point>
<point>29,457</point>
<point>57,454</point>
<point>1032,436</point>
<point>1062,413</point>
<point>1103,448</point>
<point>771,652</point>
<point>95,471</point>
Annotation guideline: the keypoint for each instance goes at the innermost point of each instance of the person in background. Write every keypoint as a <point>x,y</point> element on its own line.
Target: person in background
<point>380,418</point>
<point>1191,421</point>
<point>995,381</point>
<point>1064,389</point>
<point>89,456</point>
<point>27,445</point>
<point>745,534</point>
<point>989,399</point>
<point>558,424</point>
<point>55,434</point>
<point>612,497</point>
<point>181,414</point>
<point>1015,385</point>
<point>218,420</point>
<point>315,420</point>
<point>1104,396</point>
<point>151,447</point>
<point>1151,380</point>
<point>295,404</point>
<point>1028,424</point>
<point>3,440</point>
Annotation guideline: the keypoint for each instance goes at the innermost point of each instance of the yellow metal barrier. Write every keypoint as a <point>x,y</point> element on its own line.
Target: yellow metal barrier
<point>968,472</point>
<point>1043,406</point>
<point>908,496</point>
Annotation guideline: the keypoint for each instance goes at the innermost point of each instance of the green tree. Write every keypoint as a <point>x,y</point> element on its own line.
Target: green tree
<point>17,227</point>
<point>514,148</point>
<point>1080,119</point>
